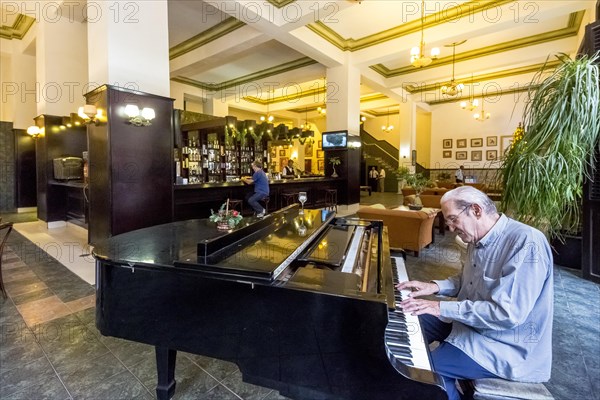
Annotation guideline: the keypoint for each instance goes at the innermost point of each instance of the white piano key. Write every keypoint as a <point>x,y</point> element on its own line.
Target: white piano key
<point>419,353</point>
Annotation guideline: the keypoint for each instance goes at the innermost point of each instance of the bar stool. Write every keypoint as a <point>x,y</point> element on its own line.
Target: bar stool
<point>5,230</point>
<point>265,200</point>
<point>331,199</point>
<point>288,198</point>
<point>233,203</point>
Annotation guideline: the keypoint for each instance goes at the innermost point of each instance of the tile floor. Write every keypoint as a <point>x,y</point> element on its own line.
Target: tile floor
<point>51,349</point>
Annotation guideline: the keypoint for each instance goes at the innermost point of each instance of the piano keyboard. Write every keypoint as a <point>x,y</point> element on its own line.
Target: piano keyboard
<point>403,335</point>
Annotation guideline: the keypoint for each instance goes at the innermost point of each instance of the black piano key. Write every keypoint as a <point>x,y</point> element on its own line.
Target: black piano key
<point>399,349</point>
<point>399,336</point>
<point>404,360</point>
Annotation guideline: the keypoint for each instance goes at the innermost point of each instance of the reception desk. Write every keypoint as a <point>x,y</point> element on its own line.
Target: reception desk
<point>196,201</point>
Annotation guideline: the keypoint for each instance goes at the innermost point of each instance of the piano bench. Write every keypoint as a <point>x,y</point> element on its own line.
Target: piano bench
<point>502,389</point>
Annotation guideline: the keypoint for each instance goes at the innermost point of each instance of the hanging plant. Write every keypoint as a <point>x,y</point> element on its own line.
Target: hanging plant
<point>257,133</point>
<point>544,171</point>
<point>231,134</point>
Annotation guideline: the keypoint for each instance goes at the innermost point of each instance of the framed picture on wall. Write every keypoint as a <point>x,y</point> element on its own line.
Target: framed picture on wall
<point>491,141</point>
<point>476,155</point>
<point>320,144</point>
<point>460,143</point>
<point>461,155</point>
<point>505,143</point>
<point>491,155</point>
<point>447,143</point>
<point>320,154</point>
<point>281,153</point>
<point>321,165</point>
<point>274,152</point>
<point>308,149</point>
<point>447,154</point>
<point>477,142</point>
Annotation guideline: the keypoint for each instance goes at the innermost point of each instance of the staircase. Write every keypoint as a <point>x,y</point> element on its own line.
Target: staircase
<point>382,154</point>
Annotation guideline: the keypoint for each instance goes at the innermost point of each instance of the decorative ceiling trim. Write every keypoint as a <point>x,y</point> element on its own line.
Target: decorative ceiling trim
<point>412,89</point>
<point>305,93</point>
<point>280,3</point>
<point>502,92</point>
<point>19,28</point>
<point>213,33</point>
<point>451,14</point>
<point>373,97</point>
<point>265,73</point>
<point>572,29</point>
<point>383,113</point>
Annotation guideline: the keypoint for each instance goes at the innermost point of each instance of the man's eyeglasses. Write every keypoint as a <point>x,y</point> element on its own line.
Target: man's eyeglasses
<point>452,218</point>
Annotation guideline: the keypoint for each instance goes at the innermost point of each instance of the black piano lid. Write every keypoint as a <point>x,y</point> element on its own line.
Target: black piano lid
<point>176,244</point>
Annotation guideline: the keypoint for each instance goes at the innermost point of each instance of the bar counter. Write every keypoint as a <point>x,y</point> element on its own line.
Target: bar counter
<point>196,200</point>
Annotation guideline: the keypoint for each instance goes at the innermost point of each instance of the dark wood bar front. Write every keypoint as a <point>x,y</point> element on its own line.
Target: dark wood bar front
<point>196,201</point>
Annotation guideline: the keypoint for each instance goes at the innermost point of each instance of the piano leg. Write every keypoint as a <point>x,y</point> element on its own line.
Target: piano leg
<point>165,365</point>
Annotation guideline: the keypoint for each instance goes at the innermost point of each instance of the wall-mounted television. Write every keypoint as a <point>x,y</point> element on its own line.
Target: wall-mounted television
<point>335,140</point>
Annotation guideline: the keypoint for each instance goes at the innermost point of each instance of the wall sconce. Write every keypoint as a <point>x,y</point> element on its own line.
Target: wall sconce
<point>90,114</point>
<point>138,118</point>
<point>34,131</point>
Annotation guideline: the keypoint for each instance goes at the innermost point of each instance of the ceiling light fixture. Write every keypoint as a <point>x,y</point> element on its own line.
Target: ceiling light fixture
<point>269,118</point>
<point>388,128</point>
<point>90,114</point>
<point>417,53</point>
<point>306,125</point>
<point>481,117</point>
<point>34,131</point>
<point>453,89</point>
<point>473,102</point>
<point>137,117</point>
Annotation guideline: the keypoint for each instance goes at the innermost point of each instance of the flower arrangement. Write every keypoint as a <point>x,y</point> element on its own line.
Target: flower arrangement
<point>225,218</point>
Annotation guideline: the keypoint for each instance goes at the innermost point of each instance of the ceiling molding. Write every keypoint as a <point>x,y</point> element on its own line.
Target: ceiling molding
<point>502,93</point>
<point>373,97</point>
<point>572,29</point>
<point>412,89</point>
<point>280,3</point>
<point>221,29</point>
<point>19,28</point>
<point>451,14</point>
<point>305,93</point>
<point>265,73</point>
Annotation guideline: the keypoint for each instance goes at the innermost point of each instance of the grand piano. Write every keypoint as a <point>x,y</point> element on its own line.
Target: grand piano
<point>302,302</point>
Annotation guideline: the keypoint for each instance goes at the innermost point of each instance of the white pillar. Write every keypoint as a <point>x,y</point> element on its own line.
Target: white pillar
<point>343,99</point>
<point>61,65</point>
<point>128,45</point>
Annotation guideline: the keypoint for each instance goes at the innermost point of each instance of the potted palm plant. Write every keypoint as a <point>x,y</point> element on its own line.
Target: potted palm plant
<point>402,174</point>
<point>544,170</point>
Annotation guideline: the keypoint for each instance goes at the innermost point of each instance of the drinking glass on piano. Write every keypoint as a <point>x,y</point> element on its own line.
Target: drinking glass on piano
<point>302,199</point>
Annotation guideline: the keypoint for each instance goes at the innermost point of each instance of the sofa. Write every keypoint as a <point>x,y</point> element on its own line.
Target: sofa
<point>407,229</point>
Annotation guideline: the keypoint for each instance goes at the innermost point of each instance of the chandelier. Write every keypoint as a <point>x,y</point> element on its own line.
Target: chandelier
<point>387,128</point>
<point>306,125</point>
<point>269,118</point>
<point>417,53</point>
<point>452,88</point>
<point>481,117</point>
<point>473,102</point>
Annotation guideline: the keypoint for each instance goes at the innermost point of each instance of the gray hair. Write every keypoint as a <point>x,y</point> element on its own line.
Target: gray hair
<point>464,196</point>
<point>258,164</point>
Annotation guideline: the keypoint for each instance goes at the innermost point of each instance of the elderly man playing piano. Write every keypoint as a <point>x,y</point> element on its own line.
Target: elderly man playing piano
<point>500,324</point>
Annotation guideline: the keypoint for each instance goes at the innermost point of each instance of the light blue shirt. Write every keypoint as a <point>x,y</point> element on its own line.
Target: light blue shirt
<point>502,316</point>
